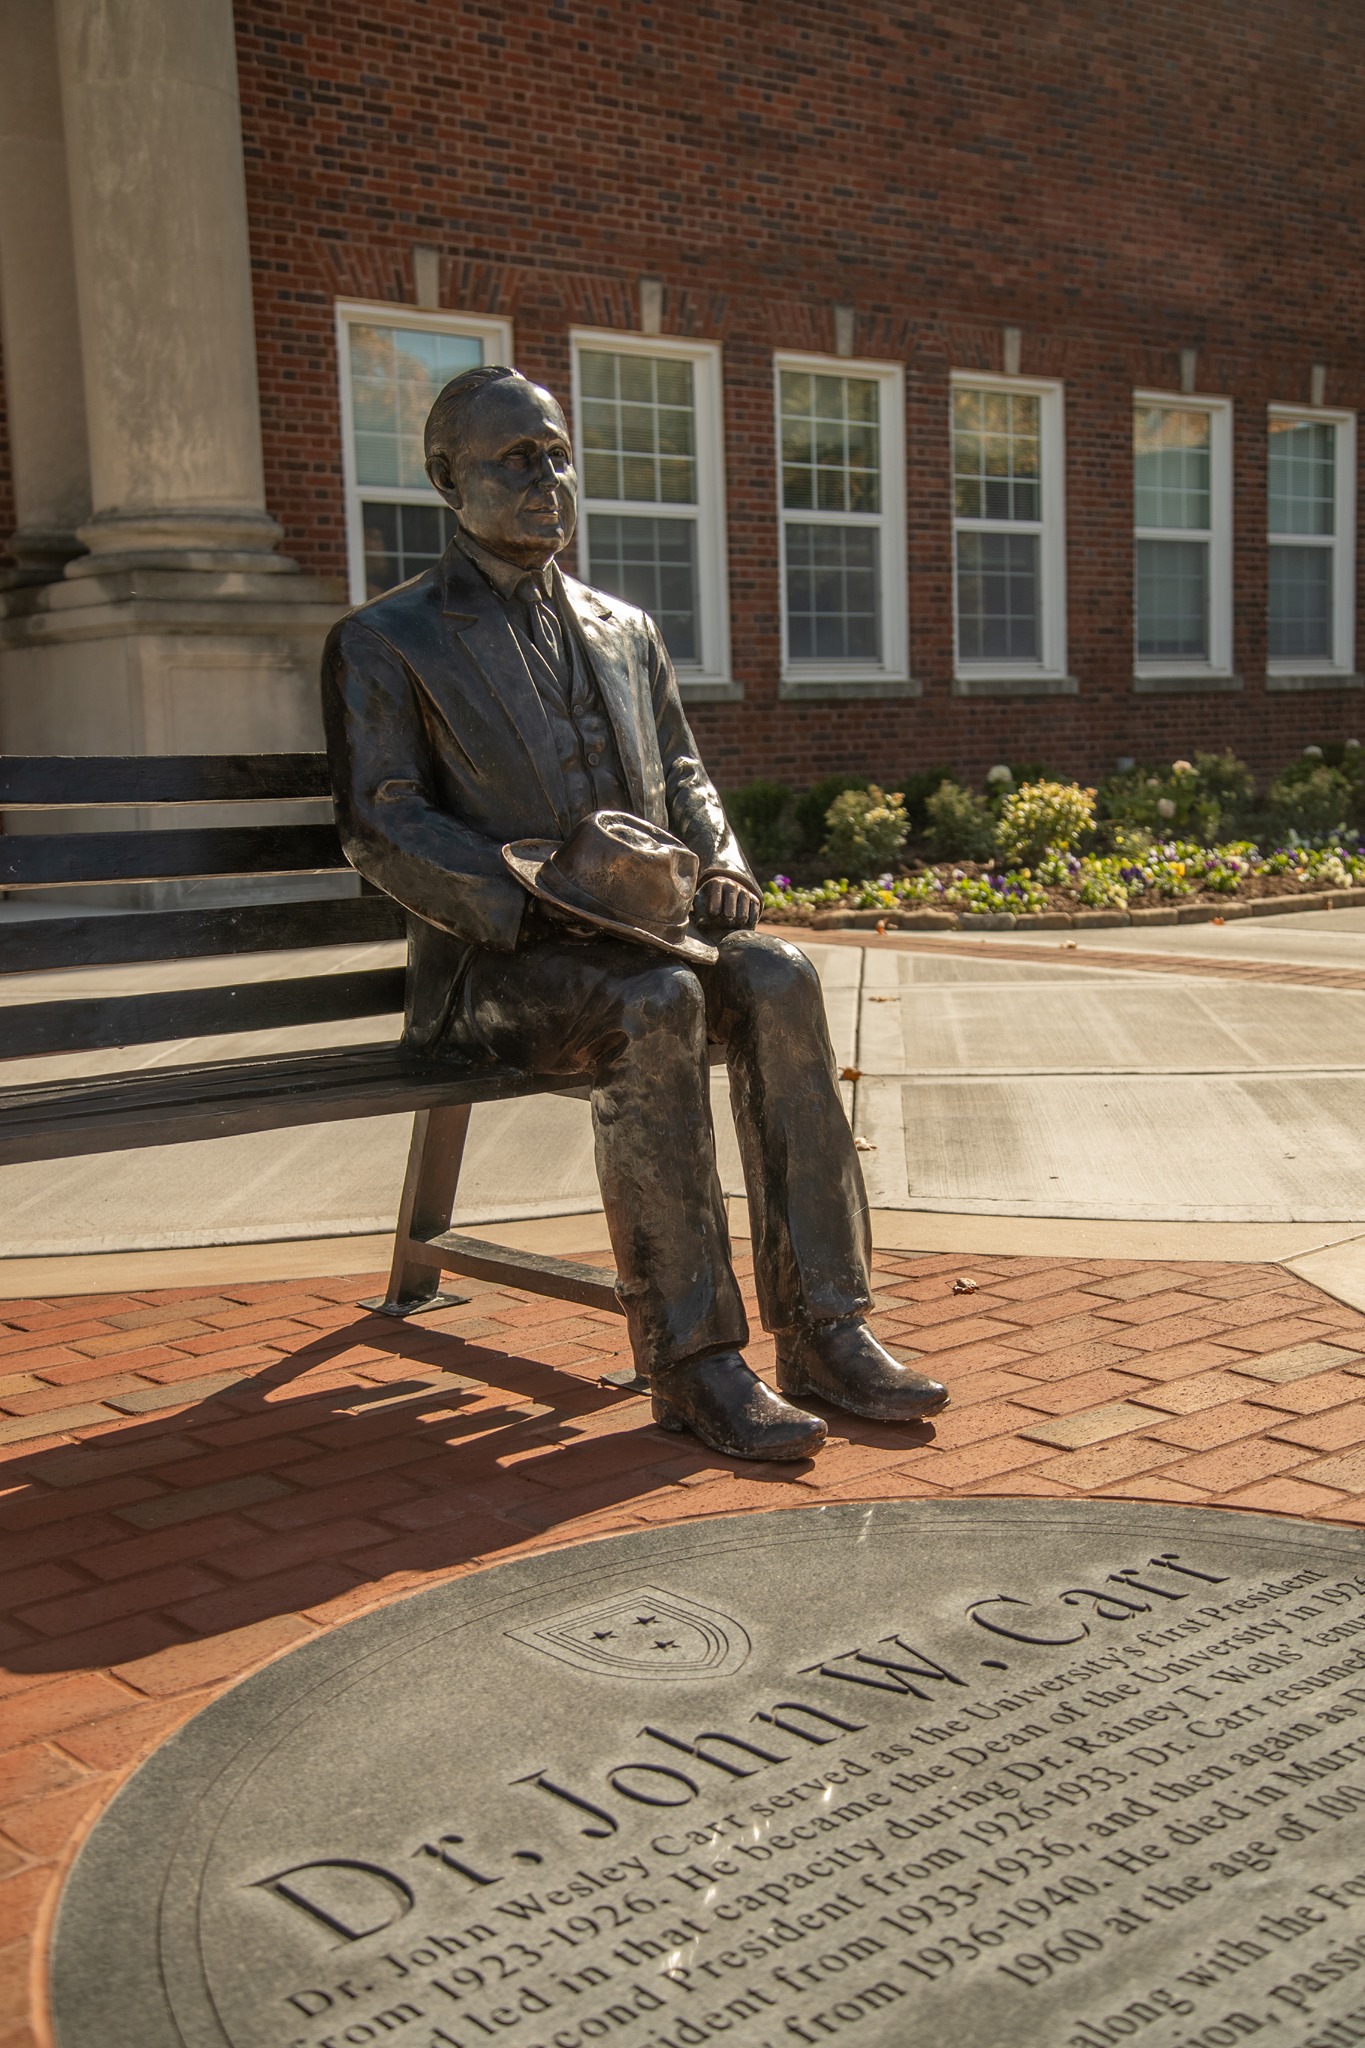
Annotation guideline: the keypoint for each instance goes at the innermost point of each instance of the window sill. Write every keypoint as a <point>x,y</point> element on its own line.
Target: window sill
<point>1309,679</point>
<point>1201,683</point>
<point>1015,686</point>
<point>807,688</point>
<point>710,690</point>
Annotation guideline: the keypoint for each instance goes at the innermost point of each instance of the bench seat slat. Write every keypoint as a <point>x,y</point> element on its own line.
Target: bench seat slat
<point>173,1105</point>
<point>88,1025</point>
<point>32,944</point>
<point>51,860</point>
<point>91,781</point>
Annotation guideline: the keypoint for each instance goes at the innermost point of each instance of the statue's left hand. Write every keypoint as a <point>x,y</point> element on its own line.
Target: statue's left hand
<point>732,904</point>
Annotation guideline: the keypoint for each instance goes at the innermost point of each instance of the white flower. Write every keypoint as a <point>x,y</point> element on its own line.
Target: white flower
<point>1000,773</point>
<point>1312,753</point>
<point>1182,767</point>
<point>1164,807</point>
<point>1351,746</point>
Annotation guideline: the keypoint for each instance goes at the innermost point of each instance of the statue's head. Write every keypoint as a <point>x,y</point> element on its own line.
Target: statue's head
<point>498,452</point>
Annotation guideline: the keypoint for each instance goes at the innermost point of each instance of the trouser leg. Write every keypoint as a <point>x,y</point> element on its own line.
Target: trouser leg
<point>637,1026</point>
<point>807,1203</point>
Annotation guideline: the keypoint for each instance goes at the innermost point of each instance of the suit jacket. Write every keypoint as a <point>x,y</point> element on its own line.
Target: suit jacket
<point>441,752</point>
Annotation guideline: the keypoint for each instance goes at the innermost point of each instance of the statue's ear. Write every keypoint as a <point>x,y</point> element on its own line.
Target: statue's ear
<point>442,477</point>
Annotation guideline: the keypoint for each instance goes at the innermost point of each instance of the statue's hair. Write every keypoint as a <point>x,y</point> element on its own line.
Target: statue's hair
<point>447,425</point>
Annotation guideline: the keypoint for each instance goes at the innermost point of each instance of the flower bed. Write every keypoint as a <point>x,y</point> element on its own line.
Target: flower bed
<point>1178,875</point>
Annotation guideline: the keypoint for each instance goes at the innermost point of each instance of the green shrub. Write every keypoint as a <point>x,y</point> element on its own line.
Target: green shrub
<point>1229,782</point>
<point>1313,804</point>
<point>961,825</point>
<point>866,830</point>
<point>811,809</point>
<point>1204,799</point>
<point>761,814</point>
<point>917,790</point>
<point>1043,817</point>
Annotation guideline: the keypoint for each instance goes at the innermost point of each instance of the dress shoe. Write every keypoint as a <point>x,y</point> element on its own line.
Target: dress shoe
<point>842,1363</point>
<point>719,1399</point>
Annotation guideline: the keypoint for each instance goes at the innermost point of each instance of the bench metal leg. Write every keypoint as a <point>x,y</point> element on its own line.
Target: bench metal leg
<point>433,1175</point>
<point>425,1246</point>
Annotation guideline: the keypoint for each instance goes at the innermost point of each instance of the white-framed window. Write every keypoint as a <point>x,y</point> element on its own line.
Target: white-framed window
<point>1310,611</point>
<point>1009,528</point>
<point>649,450</point>
<point>393,360</point>
<point>1182,521</point>
<point>841,510</point>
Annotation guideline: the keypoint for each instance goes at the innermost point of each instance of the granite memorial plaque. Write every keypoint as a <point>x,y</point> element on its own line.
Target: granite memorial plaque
<point>948,1773</point>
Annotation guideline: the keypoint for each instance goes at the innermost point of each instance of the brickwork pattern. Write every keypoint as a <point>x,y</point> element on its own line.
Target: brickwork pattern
<point>1119,184</point>
<point>194,1483</point>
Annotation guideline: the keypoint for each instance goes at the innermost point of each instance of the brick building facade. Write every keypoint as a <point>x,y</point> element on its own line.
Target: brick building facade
<point>1075,203</point>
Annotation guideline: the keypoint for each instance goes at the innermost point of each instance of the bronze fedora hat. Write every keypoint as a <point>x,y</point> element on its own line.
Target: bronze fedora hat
<point>622,874</point>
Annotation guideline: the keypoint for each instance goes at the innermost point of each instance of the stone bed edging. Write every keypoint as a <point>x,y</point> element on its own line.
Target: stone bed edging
<point>920,920</point>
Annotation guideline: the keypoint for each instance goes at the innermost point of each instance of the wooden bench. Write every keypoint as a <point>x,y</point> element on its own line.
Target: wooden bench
<point>168,1105</point>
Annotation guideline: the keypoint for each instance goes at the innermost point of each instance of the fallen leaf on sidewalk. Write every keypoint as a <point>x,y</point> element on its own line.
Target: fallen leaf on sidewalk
<point>883,999</point>
<point>965,1286</point>
<point>863,1145</point>
<point>1068,946</point>
<point>850,1073</point>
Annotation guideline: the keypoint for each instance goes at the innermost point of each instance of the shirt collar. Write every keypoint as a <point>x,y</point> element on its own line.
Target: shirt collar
<point>505,577</point>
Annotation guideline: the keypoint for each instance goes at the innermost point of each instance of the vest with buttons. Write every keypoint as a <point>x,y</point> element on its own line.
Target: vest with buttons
<point>579,727</point>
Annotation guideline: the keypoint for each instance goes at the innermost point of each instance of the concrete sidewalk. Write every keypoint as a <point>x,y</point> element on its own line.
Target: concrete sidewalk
<point>997,1080</point>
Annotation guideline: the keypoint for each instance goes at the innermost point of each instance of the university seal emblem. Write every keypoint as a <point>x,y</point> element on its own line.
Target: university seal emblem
<point>642,1634</point>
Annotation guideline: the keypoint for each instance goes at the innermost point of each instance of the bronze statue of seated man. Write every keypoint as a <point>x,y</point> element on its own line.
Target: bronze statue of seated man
<point>512,763</point>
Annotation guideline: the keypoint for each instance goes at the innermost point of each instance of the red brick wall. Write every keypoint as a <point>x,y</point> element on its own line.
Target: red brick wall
<point>1119,180</point>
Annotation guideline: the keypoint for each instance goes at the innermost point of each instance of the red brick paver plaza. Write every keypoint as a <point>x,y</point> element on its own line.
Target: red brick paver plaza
<point>194,1482</point>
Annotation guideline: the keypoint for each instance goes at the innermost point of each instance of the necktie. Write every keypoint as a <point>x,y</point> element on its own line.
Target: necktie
<point>541,623</point>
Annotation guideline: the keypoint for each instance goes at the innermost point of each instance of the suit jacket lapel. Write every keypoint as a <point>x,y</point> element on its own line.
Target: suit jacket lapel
<point>476,614</point>
<point>607,652</point>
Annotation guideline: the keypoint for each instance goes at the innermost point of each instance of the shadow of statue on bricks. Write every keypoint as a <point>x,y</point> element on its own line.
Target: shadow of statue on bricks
<point>324,1481</point>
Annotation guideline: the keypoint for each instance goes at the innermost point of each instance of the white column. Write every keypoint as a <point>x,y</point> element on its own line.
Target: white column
<point>38,318</point>
<point>163,276</point>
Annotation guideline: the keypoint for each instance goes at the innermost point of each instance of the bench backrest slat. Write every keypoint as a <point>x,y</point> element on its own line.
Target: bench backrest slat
<point>35,944</point>
<point>96,859</point>
<point>85,1025</point>
<point>60,854</point>
<point>89,781</point>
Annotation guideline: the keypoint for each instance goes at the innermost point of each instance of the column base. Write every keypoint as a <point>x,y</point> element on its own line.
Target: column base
<point>200,540</point>
<point>149,660</point>
<point>41,555</point>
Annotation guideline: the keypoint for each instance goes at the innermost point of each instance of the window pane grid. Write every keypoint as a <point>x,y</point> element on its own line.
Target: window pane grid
<point>1302,519</point>
<point>396,373</point>
<point>833,592</point>
<point>638,428</point>
<point>997,450</point>
<point>1173,600</point>
<point>1302,485</point>
<point>1300,591</point>
<point>1172,479</point>
<point>997,596</point>
<point>651,563</point>
<point>998,514</point>
<point>401,540</point>
<point>831,442</point>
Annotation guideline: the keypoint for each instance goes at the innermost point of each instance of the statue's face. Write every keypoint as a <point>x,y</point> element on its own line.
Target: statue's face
<point>513,485</point>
